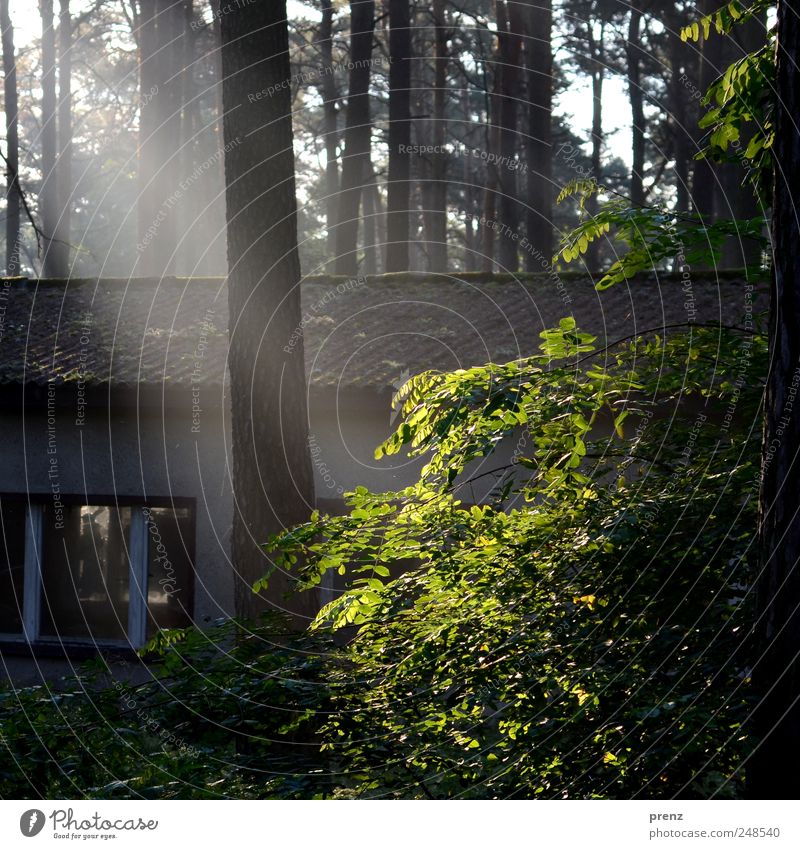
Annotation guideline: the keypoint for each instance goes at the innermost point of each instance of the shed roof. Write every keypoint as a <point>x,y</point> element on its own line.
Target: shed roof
<point>365,333</point>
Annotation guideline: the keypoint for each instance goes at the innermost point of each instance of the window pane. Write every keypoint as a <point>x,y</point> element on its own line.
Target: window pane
<point>85,572</point>
<point>12,565</point>
<point>170,533</point>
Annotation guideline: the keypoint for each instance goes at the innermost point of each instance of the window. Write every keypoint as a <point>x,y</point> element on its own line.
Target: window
<point>106,573</point>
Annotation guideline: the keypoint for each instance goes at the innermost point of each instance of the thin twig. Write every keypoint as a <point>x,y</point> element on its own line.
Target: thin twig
<point>23,197</point>
<point>40,234</point>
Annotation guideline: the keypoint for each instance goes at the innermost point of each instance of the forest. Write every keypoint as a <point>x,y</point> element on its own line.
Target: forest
<point>554,245</point>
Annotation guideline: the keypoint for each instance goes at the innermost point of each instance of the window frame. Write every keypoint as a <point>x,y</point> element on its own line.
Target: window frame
<point>136,550</point>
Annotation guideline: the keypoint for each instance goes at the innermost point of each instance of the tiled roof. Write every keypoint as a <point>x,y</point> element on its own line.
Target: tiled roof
<point>358,333</point>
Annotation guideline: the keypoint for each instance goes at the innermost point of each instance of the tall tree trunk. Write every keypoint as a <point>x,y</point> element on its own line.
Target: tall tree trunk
<point>704,179</point>
<point>510,42</point>
<point>369,226</point>
<point>272,476</point>
<point>159,24</point>
<point>437,211</point>
<point>146,201</point>
<point>493,123</point>
<point>418,260</point>
<point>65,188</point>
<point>735,198</point>
<point>12,143</point>
<point>170,29</point>
<point>356,136</point>
<point>597,53</point>
<point>380,217</point>
<point>52,264</point>
<point>490,207</point>
<point>776,673</point>
<point>330,106</point>
<point>539,144</point>
<point>468,179</point>
<point>680,96</point>
<point>190,119</point>
<point>633,55</point>
<point>398,190</point>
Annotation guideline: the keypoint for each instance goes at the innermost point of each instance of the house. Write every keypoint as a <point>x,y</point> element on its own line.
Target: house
<point>115,489</point>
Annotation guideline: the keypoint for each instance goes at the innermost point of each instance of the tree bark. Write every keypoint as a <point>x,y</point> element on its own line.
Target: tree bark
<point>369,230</point>
<point>52,264</point>
<point>146,201</point>
<point>680,95</point>
<point>704,179</point>
<point>633,56</point>
<point>12,143</point>
<point>490,195</point>
<point>597,54</point>
<point>776,672</point>
<point>510,43</point>
<point>380,218</point>
<point>398,197</point>
<point>494,123</point>
<point>539,143</point>
<point>272,476</point>
<point>437,211</point>
<point>356,136</point>
<point>735,197</point>
<point>468,191</point>
<point>190,128</point>
<point>159,25</point>
<point>330,106</point>
<point>65,188</point>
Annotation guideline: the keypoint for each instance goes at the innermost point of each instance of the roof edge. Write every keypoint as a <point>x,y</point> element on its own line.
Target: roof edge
<point>476,277</point>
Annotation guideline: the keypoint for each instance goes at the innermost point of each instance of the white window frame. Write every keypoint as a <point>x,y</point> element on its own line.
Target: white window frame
<point>138,565</point>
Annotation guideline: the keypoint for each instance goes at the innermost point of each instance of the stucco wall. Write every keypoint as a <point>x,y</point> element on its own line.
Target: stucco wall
<point>346,429</point>
<point>152,453</point>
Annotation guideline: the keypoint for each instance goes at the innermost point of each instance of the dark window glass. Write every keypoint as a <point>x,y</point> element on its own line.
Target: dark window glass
<point>170,532</point>
<point>85,573</point>
<point>12,564</point>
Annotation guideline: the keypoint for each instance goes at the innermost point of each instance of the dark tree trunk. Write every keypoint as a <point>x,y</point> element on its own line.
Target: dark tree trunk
<point>52,261</point>
<point>437,211</point>
<point>681,96</point>
<point>170,31</point>
<point>469,188</point>
<point>490,206</point>
<point>191,205</point>
<point>398,198</point>
<point>272,476</point>
<point>369,228</point>
<point>539,144</point>
<point>597,53</point>
<point>380,217</point>
<point>510,43</point>
<point>330,106</point>
<point>159,25</point>
<point>735,197</point>
<point>633,55</point>
<point>356,136</point>
<point>146,201</point>
<point>65,189</point>
<point>704,180</point>
<point>494,122</point>
<point>776,673</point>
<point>12,143</point>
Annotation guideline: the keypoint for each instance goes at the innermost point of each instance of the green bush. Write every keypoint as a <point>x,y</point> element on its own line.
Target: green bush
<point>580,633</point>
<point>230,712</point>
